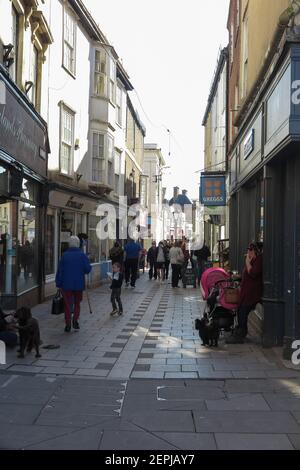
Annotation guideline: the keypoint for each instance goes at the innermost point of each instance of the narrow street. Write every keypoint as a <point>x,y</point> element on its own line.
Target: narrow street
<point>143,381</point>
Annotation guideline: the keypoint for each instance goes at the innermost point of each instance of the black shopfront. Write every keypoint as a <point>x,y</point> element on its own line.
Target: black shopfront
<point>23,197</point>
<point>264,171</point>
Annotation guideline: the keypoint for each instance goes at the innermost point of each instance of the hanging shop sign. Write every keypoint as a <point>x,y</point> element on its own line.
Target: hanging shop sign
<point>249,144</point>
<point>213,190</point>
<point>23,134</point>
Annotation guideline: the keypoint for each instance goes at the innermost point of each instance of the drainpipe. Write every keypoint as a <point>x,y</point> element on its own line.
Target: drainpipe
<point>283,23</point>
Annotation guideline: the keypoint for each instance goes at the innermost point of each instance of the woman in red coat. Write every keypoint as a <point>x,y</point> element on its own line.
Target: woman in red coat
<point>251,290</point>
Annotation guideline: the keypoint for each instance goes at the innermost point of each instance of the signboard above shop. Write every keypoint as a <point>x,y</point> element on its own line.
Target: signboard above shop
<point>23,133</point>
<point>212,190</point>
<point>249,144</point>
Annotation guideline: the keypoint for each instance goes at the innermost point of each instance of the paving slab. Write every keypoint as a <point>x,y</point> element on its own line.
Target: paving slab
<point>133,440</point>
<point>276,422</point>
<point>246,403</point>
<point>189,441</point>
<point>282,403</point>
<point>18,414</point>
<point>164,420</point>
<point>253,441</point>
<point>84,439</point>
<point>19,436</point>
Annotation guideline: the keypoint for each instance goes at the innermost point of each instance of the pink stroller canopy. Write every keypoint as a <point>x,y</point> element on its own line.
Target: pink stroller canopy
<point>209,279</point>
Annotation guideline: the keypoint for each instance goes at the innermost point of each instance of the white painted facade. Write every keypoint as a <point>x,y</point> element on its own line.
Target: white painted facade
<point>153,164</point>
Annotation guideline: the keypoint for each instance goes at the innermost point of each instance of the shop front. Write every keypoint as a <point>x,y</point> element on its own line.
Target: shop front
<point>73,212</point>
<point>264,170</point>
<point>23,196</point>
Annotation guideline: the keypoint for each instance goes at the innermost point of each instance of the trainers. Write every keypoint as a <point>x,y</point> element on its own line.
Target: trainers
<point>76,325</point>
<point>67,328</point>
<point>113,312</point>
<point>120,313</point>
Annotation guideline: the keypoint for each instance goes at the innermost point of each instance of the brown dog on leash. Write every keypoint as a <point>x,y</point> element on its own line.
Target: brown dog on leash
<point>29,331</point>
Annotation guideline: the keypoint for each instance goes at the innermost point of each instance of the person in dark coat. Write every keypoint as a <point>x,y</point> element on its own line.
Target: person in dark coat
<point>70,278</point>
<point>251,291</point>
<point>7,331</point>
<point>151,256</point>
<point>202,256</point>
<point>116,254</point>
<point>132,255</point>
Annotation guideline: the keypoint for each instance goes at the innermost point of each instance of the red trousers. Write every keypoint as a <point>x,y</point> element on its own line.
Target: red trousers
<point>72,297</point>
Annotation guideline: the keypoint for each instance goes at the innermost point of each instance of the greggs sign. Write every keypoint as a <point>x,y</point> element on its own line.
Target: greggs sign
<point>213,190</point>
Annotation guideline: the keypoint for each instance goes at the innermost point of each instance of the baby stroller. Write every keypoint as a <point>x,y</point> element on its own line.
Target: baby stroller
<point>221,293</point>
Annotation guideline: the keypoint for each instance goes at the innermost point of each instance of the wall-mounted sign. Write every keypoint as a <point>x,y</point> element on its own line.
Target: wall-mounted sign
<point>23,134</point>
<point>213,190</point>
<point>249,144</point>
<point>74,204</point>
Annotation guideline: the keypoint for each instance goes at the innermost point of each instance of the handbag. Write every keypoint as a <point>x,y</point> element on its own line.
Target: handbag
<point>231,295</point>
<point>57,304</point>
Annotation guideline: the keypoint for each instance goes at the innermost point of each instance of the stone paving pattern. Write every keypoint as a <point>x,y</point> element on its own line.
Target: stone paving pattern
<point>143,381</point>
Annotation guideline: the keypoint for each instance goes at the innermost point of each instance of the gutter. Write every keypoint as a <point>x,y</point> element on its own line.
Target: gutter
<point>283,23</point>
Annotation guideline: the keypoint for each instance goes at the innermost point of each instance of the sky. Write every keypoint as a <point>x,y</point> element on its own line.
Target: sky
<point>169,48</point>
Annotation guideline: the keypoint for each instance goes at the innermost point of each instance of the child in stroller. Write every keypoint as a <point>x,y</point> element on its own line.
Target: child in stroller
<point>221,294</point>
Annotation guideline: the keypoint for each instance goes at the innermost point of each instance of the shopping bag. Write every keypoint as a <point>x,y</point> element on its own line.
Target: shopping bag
<point>57,304</point>
<point>232,296</point>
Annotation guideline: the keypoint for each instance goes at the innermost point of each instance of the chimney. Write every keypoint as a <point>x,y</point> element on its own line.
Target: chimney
<point>184,192</point>
<point>176,192</point>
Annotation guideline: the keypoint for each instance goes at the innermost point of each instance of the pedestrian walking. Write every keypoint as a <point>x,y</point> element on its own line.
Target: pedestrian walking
<point>201,256</point>
<point>251,291</point>
<point>167,262</point>
<point>116,288</point>
<point>176,260</point>
<point>116,253</point>
<point>160,260</point>
<point>132,254</point>
<point>72,268</point>
<point>151,261</point>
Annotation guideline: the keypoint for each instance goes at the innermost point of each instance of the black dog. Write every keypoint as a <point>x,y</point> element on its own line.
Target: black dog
<point>208,332</point>
<point>29,331</point>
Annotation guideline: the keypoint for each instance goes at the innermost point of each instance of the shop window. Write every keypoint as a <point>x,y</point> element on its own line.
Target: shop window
<point>8,248</point>
<point>4,180</point>
<point>96,247</point>
<point>27,248</point>
<point>67,229</point>
<point>50,245</point>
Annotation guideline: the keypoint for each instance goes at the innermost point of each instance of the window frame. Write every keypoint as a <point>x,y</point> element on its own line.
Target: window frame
<point>99,72</point>
<point>68,13</point>
<point>101,158</point>
<point>112,80</point>
<point>119,107</point>
<point>70,112</point>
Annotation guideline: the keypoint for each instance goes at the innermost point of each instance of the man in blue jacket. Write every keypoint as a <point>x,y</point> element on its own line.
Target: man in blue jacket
<point>72,268</point>
<point>132,254</point>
